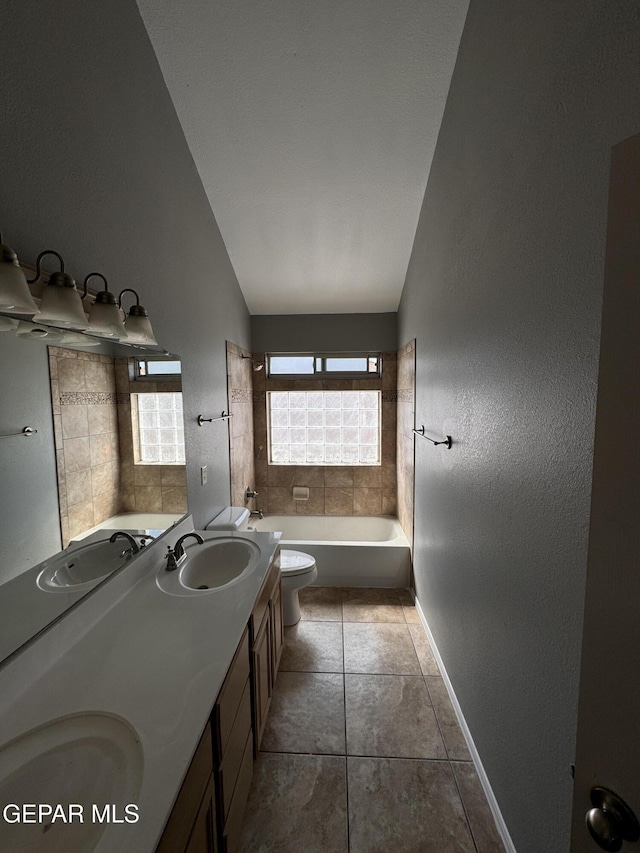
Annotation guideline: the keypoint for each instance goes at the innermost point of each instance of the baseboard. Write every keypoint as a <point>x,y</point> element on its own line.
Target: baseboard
<point>484,779</point>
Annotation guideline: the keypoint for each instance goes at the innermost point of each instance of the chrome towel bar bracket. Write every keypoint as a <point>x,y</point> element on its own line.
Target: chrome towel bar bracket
<point>223,417</point>
<point>26,431</point>
<point>447,442</point>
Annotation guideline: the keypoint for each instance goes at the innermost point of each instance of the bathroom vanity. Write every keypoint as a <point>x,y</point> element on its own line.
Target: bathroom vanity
<point>167,692</point>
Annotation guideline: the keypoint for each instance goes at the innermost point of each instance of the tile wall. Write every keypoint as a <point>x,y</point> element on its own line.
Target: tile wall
<point>85,417</point>
<point>145,488</point>
<point>333,490</point>
<point>97,478</point>
<point>240,376</point>
<point>405,438</point>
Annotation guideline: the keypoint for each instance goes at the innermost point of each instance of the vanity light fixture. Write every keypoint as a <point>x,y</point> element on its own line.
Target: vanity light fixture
<point>8,324</point>
<point>61,304</point>
<point>137,325</point>
<point>104,315</point>
<point>15,295</point>
<point>35,332</point>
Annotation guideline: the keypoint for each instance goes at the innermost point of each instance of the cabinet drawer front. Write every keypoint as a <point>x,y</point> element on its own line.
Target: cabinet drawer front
<point>230,695</point>
<point>232,758</point>
<point>185,810</point>
<point>233,827</point>
<point>273,575</point>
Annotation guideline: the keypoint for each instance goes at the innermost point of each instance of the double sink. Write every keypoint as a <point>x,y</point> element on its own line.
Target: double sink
<point>56,762</point>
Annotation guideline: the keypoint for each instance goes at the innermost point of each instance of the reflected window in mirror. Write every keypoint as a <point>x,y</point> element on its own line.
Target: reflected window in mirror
<point>158,429</point>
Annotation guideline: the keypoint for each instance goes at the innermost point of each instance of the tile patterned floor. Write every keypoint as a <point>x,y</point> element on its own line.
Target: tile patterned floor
<point>362,751</point>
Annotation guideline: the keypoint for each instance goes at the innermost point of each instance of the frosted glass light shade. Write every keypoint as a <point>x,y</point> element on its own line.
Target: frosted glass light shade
<point>139,330</point>
<point>62,306</point>
<point>15,295</point>
<point>36,332</point>
<point>8,324</point>
<point>105,320</point>
<point>74,339</point>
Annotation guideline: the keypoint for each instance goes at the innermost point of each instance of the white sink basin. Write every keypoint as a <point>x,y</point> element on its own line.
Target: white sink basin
<point>81,759</point>
<point>211,567</point>
<point>83,568</point>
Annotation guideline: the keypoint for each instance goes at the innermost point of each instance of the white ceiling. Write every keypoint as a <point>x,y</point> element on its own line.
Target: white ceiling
<point>312,124</point>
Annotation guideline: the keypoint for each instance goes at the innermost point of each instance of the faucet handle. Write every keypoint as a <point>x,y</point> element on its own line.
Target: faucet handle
<point>250,494</point>
<point>170,557</point>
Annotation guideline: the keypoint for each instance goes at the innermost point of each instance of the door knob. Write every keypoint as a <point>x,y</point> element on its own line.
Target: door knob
<point>611,821</point>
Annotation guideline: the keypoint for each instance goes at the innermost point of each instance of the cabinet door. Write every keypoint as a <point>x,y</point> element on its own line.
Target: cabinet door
<point>277,632</point>
<point>261,659</point>
<point>203,834</point>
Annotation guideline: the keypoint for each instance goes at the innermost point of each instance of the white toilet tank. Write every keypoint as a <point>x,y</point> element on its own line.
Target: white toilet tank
<point>231,518</point>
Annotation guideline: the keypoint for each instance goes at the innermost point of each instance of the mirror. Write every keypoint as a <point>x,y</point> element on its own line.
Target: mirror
<point>107,454</point>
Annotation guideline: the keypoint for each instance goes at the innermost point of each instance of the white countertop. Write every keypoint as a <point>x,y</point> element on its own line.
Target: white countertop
<point>155,660</point>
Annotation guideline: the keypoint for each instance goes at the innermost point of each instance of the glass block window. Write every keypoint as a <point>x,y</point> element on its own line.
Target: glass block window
<point>324,427</point>
<point>160,429</point>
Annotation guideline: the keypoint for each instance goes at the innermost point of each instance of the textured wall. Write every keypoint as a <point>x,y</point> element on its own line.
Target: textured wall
<point>27,465</point>
<point>89,132</point>
<point>503,295</point>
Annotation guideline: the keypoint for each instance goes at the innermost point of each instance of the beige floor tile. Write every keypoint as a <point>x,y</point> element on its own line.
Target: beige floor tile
<point>297,803</point>
<point>411,614</point>
<point>307,714</point>
<point>313,647</point>
<point>424,651</point>
<point>391,715</point>
<point>451,731</point>
<point>372,605</point>
<point>321,604</point>
<point>404,804</point>
<point>478,812</point>
<point>382,648</point>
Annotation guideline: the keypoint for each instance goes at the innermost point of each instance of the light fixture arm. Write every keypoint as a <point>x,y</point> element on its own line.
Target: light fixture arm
<point>39,258</point>
<point>128,290</point>
<point>91,274</point>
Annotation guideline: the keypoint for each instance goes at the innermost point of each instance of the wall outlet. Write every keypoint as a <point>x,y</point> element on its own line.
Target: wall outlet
<point>203,474</point>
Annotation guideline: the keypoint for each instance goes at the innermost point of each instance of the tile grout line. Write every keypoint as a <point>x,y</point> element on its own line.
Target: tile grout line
<point>346,760</point>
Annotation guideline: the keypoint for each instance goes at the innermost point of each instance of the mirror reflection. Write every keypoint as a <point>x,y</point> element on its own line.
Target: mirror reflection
<point>107,455</point>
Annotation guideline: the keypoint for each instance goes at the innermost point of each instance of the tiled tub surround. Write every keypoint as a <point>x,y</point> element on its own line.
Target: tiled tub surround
<point>240,404</point>
<point>405,436</point>
<point>145,488</point>
<point>349,551</point>
<point>85,419</point>
<point>362,751</point>
<point>333,490</point>
<point>92,418</point>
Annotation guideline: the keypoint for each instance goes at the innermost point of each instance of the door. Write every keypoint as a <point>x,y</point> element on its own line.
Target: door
<point>608,744</point>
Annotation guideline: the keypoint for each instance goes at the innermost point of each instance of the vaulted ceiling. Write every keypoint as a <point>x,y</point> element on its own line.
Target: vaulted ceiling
<point>312,124</point>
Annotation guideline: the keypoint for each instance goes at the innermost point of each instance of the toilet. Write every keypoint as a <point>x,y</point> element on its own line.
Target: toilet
<point>298,569</point>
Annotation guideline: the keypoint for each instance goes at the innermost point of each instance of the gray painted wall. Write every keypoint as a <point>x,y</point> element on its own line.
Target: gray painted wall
<point>324,332</point>
<point>29,519</point>
<point>503,295</point>
<point>95,165</point>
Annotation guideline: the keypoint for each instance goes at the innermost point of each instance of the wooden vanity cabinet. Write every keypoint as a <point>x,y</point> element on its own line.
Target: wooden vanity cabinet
<point>267,634</point>
<point>191,825</point>
<point>208,812</point>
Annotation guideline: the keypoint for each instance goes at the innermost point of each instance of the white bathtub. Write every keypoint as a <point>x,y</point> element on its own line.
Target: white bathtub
<point>151,523</point>
<point>349,551</point>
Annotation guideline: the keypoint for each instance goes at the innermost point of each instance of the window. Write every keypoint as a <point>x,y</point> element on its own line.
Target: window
<point>157,369</point>
<point>324,427</point>
<point>334,364</point>
<point>158,429</point>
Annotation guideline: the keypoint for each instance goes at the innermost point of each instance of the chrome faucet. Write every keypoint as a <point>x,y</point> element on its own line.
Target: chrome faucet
<point>249,493</point>
<point>258,512</point>
<point>176,555</point>
<point>129,552</point>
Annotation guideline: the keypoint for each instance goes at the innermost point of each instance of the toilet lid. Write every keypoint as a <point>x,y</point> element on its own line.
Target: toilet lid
<point>295,562</point>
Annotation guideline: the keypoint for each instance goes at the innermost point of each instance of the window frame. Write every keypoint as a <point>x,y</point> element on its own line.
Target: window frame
<point>323,373</point>
<point>154,377</point>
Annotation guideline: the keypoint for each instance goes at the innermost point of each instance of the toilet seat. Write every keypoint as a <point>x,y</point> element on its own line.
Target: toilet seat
<point>294,563</point>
